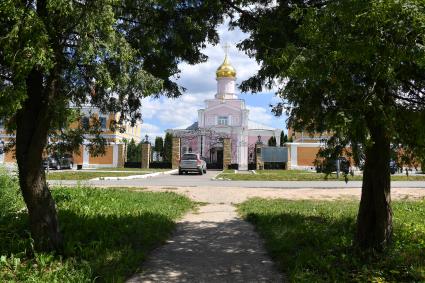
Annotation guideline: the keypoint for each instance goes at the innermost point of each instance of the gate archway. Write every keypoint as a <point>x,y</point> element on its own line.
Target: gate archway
<point>208,143</point>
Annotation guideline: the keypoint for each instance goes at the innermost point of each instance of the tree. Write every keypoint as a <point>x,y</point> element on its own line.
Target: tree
<point>168,147</point>
<point>283,138</point>
<point>159,145</point>
<point>108,54</point>
<point>134,151</point>
<point>271,141</point>
<point>353,68</point>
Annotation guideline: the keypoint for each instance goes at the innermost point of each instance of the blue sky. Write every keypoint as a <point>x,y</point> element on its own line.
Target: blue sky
<point>199,80</point>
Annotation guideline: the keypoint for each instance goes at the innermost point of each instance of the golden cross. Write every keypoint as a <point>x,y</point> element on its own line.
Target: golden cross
<point>226,48</point>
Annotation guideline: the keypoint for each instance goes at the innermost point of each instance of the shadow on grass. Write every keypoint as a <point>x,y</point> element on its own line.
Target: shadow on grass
<point>317,248</point>
<point>105,248</point>
<point>114,246</point>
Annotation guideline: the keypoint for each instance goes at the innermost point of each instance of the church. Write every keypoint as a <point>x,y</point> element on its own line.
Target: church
<point>225,116</point>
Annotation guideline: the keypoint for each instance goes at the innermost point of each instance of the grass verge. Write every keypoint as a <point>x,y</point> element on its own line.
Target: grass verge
<point>150,170</point>
<point>107,233</point>
<point>87,175</point>
<point>301,175</point>
<point>312,241</point>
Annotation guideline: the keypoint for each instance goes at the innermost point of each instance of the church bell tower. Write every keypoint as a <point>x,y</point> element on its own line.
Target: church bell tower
<point>226,77</point>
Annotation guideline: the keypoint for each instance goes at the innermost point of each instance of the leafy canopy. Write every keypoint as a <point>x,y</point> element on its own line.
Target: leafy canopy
<point>108,54</point>
<point>343,66</point>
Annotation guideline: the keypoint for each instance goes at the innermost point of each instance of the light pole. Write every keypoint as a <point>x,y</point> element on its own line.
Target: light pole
<point>1,151</point>
<point>1,147</point>
<point>47,159</point>
<point>259,140</point>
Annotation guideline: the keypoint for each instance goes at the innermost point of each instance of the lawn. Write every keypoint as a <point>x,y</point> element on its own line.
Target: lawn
<point>312,241</point>
<point>151,170</point>
<point>87,175</point>
<point>301,175</point>
<point>107,233</point>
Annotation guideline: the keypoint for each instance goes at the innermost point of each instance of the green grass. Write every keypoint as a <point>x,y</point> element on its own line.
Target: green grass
<point>300,175</point>
<point>87,175</point>
<point>312,241</point>
<point>107,233</point>
<point>151,170</point>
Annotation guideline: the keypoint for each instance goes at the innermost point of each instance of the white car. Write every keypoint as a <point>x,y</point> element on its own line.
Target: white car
<point>192,162</point>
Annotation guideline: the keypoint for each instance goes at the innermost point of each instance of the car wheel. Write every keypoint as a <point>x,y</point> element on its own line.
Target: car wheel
<point>58,167</point>
<point>180,172</point>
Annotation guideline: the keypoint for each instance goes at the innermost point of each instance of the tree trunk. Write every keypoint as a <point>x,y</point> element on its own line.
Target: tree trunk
<point>374,220</point>
<point>31,136</point>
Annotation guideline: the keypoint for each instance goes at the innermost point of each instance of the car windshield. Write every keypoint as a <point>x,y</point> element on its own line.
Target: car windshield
<point>189,157</point>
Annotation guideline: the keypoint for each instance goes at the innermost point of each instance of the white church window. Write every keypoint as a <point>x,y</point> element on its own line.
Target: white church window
<point>223,120</point>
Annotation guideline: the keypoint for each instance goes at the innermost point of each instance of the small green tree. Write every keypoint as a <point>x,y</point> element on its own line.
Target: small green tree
<point>271,141</point>
<point>159,145</point>
<point>283,138</point>
<point>134,151</point>
<point>168,147</point>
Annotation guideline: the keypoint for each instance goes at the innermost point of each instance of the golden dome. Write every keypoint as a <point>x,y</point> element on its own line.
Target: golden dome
<point>226,70</point>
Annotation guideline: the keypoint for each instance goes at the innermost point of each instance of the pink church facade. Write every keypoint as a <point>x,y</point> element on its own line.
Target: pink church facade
<point>225,116</point>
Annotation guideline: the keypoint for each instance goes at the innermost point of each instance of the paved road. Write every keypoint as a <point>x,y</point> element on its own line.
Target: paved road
<point>193,180</point>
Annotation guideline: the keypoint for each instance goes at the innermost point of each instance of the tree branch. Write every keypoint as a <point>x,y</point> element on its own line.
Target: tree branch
<point>246,13</point>
<point>410,100</point>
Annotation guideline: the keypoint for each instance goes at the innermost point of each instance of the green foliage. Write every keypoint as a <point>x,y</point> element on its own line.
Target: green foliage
<point>283,138</point>
<point>159,145</point>
<point>101,48</point>
<point>271,141</point>
<point>134,151</point>
<point>107,233</point>
<point>312,241</point>
<point>10,200</point>
<point>348,66</point>
<point>168,147</point>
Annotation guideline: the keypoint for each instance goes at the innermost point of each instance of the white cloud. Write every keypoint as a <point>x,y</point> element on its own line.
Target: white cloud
<point>151,130</point>
<point>146,127</point>
<point>173,113</point>
<point>260,114</point>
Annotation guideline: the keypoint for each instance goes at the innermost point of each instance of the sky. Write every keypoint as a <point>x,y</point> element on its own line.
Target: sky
<point>164,113</point>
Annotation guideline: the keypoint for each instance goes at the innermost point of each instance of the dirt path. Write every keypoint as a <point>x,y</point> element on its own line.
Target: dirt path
<point>211,245</point>
<point>238,195</point>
